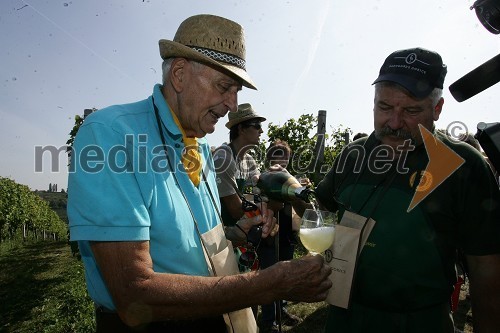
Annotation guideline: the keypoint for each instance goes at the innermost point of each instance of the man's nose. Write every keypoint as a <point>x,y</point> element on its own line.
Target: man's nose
<point>396,120</point>
<point>231,101</point>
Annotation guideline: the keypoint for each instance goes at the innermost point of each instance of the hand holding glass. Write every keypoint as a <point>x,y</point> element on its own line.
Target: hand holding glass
<point>317,230</point>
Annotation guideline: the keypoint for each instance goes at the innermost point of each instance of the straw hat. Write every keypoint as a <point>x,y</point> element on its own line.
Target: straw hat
<point>245,112</point>
<point>213,40</point>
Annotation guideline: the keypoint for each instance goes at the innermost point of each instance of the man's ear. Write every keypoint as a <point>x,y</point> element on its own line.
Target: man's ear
<point>438,108</point>
<point>177,73</point>
<point>241,128</point>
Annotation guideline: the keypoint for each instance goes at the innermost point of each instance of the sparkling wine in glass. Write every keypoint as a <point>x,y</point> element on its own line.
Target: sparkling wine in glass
<point>317,230</point>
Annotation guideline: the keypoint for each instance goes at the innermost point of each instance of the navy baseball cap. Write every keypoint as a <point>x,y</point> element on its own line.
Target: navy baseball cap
<point>418,70</point>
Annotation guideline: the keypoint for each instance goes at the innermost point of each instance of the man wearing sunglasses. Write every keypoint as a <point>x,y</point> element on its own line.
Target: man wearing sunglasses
<point>235,167</point>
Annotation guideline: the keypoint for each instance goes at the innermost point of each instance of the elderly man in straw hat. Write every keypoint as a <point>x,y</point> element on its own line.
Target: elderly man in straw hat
<point>143,201</point>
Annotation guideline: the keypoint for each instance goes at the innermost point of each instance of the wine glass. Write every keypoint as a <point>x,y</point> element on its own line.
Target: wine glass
<point>317,230</point>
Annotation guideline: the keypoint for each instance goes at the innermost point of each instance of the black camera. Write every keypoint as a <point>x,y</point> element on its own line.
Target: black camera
<point>488,13</point>
<point>487,74</point>
<point>483,77</point>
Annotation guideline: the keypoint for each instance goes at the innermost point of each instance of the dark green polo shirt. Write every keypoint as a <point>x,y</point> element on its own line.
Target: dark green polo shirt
<point>408,261</point>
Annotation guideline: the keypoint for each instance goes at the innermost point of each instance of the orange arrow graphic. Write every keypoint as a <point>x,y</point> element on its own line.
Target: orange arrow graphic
<point>443,162</point>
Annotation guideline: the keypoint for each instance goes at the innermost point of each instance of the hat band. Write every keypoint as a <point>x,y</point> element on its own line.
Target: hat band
<point>220,56</point>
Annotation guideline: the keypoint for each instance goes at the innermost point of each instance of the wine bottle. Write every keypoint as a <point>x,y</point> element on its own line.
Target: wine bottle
<point>281,186</point>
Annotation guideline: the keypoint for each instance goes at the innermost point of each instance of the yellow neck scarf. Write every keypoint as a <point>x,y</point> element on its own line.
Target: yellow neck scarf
<point>191,158</point>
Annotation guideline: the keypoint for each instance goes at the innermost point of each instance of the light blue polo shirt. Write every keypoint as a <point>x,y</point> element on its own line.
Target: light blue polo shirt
<point>121,189</point>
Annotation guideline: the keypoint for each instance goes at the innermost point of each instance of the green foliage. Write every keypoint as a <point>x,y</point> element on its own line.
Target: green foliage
<point>44,290</point>
<point>22,212</point>
<point>301,139</point>
<point>74,130</point>
<point>296,132</point>
<point>57,202</point>
<point>72,134</point>
<point>259,154</point>
<point>337,140</point>
<point>301,136</point>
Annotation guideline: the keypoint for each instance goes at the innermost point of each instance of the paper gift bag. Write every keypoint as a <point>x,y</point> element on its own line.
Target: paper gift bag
<point>222,256</point>
<point>350,237</point>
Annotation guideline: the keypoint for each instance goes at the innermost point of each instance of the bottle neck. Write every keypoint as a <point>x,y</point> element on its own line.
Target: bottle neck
<point>282,186</point>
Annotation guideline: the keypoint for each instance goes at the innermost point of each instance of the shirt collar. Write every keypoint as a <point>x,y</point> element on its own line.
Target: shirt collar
<point>166,116</point>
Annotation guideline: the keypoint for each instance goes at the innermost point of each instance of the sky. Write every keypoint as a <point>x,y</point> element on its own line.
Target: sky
<point>58,58</point>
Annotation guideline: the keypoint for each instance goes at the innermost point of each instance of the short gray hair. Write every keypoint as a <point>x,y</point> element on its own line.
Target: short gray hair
<point>165,67</point>
<point>167,63</point>
<point>434,96</point>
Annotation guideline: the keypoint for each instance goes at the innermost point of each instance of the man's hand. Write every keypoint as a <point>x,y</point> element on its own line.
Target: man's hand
<point>275,205</point>
<point>267,219</point>
<point>276,167</point>
<point>304,279</point>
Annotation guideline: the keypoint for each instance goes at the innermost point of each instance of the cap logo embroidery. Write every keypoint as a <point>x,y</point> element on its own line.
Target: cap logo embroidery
<point>411,58</point>
<point>418,70</point>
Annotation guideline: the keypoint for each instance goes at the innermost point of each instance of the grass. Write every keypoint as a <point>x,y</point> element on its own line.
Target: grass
<point>315,315</point>
<point>42,289</point>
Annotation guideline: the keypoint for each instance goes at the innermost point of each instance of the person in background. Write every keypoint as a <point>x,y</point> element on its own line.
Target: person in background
<point>359,135</point>
<point>493,169</point>
<point>406,271</point>
<point>236,171</point>
<point>142,200</point>
<point>278,154</point>
<point>234,166</point>
<point>471,140</point>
